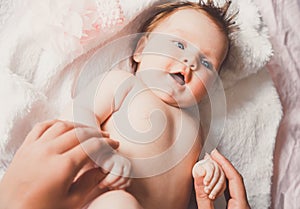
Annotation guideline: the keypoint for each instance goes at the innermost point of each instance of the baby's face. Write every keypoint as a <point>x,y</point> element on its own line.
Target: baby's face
<point>181,57</point>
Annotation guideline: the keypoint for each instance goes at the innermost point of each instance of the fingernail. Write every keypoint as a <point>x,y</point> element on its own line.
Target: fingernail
<point>206,190</point>
<point>211,196</point>
<point>117,143</point>
<point>207,156</point>
<point>104,133</point>
<point>103,171</point>
<point>114,144</point>
<point>101,186</point>
<point>215,151</point>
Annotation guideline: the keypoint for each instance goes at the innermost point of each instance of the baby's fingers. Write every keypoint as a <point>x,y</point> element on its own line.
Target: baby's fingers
<point>198,170</point>
<point>122,183</point>
<point>219,186</point>
<point>213,181</point>
<point>204,168</point>
<point>109,180</point>
<point>107,167</point>
<point>210,168</point>
<point>119,168</point>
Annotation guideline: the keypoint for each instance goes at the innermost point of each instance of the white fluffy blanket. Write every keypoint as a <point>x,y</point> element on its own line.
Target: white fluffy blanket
<point>45,43</point>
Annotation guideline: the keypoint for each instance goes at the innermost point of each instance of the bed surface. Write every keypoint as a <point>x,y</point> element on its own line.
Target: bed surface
<point>282,18</point>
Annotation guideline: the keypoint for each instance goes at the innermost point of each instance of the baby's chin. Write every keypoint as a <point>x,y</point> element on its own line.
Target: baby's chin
<point>181,104</point>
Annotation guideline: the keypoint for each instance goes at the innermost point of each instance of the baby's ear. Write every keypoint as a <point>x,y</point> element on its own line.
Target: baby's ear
<point>139,49</point>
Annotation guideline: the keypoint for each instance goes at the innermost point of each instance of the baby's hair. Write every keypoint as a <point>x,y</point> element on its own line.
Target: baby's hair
<point>218,14</point>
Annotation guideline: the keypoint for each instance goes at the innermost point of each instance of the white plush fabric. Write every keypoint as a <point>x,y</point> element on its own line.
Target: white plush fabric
<point>45,43</point>
<point>39,43</point>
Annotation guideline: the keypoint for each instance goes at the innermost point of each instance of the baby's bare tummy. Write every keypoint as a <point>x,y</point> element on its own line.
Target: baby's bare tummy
<point>162,144</point>
<point>170,190</point>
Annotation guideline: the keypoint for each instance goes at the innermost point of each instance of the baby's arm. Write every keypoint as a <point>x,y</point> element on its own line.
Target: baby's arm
<point>213,184</point>
<point>93,106</point>
<point>103,96</point>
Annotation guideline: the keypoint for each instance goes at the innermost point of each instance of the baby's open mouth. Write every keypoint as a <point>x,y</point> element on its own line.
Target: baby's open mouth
<point>178,77</point>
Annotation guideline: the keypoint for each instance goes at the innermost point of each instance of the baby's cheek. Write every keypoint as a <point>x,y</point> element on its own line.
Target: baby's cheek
<point>199,91</point>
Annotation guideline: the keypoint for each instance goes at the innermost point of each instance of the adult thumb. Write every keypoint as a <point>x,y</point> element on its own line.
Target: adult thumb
<point>86,183</point>
<point>202,198</point>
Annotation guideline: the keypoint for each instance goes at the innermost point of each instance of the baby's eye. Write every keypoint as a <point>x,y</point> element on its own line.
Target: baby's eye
<point>179,44</point>
<point>206,64</point>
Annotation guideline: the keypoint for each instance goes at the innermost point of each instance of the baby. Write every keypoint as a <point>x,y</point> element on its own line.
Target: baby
<point>178,56</point>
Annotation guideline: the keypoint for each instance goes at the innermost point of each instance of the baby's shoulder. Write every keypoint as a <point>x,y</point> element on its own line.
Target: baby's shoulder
<point>116,79</point>
<point>124,79</point>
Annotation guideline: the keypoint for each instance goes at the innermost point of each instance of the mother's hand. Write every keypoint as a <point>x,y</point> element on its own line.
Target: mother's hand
<point>43,172</point>
<point>237,191</point>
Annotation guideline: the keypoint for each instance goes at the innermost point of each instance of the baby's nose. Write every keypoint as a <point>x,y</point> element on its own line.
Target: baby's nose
<point>190,62</point>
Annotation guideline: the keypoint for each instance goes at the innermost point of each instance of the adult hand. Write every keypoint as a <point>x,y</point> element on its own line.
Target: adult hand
<point>237,191</point>
<point>44,171</point>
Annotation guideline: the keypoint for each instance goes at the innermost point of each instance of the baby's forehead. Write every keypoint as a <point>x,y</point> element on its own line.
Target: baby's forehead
<point>190,23</point>
<point>186,14</point>
<point>200,19</point>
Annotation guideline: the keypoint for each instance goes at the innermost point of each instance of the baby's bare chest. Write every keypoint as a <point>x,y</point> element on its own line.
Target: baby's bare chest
<point>151,132</point>
<point>162,143</point>
<point>143,118</point>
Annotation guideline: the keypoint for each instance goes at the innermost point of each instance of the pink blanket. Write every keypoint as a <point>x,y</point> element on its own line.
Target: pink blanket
<point>282,18</point>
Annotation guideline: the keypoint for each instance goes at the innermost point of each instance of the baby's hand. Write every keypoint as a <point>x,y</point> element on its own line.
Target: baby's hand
<point>212,175</point>
<point>119,169</point>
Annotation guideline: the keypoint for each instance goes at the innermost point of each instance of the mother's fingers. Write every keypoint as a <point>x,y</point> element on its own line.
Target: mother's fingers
<point>201,197</point>
<point>93,148</point>
<point>236,185</point>
<point>218,187</point>
<point>73,137</point>
<point>57,129</point>
<point>38,130</point>
<point>86,183</point>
